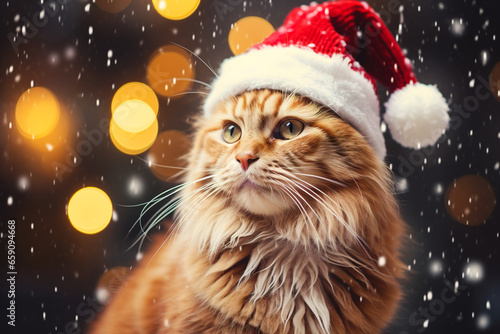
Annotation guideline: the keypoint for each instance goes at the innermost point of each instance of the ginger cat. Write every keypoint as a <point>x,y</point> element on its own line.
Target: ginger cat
<point>287,223</point>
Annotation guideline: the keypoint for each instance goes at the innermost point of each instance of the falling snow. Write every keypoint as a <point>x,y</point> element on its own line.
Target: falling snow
<point>85,54</point>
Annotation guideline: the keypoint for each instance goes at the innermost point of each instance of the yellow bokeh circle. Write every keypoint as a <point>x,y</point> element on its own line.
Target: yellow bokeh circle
<point>133,142</point>
<point>90,210</point>
<point>135,91</point>
<point>170,71</point>
<point>247,32</point>
<point>37,113</point>
<point>134,116</point>
<point>175,9</point>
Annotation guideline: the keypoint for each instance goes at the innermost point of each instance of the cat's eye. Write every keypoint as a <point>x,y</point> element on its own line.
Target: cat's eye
<point>289,129</point>
<point>231,133</point>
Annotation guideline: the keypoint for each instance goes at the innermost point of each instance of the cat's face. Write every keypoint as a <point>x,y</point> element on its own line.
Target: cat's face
<point>270,153</point>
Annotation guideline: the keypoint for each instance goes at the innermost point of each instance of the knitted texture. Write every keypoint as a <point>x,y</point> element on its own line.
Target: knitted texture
<point>351,28</point>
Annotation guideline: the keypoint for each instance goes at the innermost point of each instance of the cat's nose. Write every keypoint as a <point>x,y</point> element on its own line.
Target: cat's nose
<point>246,159</point>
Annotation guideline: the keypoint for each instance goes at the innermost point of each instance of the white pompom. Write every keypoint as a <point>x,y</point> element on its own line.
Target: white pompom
<point>417,115</point>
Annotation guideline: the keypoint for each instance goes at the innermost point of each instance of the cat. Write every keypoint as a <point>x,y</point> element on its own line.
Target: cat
<point>287,223</point>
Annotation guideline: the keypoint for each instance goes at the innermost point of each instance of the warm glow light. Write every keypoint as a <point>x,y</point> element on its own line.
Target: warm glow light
<point>170,71</point>
<point>37,113</point>
<point>113,6</point>
<point>58,138</point>
<point>134,127</point>
<point>133,142</point>
<point>470,200</point>
<point>110,282</point>
<point>134,116</point>
<point>135,91</point>
<point>175,9</point>
<point>90,210</point>
<point>247,32</point>
<point>49,153</point>
<point>165,154</point>
<point>495,81</point>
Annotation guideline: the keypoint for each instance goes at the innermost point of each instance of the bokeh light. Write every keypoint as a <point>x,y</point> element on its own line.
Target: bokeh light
<point>495,81</point>
<point>135,91</point>
<point>53,147</point>
<point>110,282</point>
<point>457,27</point>
<point>483,321</point>
<point>247,32</point>
<point>37,113</point>
<point>473,272</point>
<point>53,152</point>
<point>133,142</point>
<point>134,116</point>
<point>134,127</point>
<point>470,200</point>
<point>175,9</point>
<point>135,186</point>
<point>112,6</point>
<point>165,154</point>
<point>90,210</point>
<point>170,71</point>
<point>436,267</point>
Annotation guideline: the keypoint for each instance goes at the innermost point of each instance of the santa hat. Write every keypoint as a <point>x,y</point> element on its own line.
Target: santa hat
<point>332,53</point>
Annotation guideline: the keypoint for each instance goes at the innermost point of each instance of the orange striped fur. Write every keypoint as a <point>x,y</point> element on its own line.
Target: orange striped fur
<point>294,250</point>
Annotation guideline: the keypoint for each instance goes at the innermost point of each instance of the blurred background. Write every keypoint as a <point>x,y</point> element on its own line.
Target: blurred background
<point>71,72</point>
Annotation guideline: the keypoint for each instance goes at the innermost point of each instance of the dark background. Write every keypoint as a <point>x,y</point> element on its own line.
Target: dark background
<point>58,267</point>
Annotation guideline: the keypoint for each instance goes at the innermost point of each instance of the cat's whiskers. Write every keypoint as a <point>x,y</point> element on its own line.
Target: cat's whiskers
<point>177,223</point>
<point>312,231</point>
<point>292,189</point>
<point>198,57</point>
<point>185,169</point>
<point>321,178</point>
<point>277,190</point>
<point>208,194</point>
<point>160,215</point>
<point>190,80</point>
<point>190,92</point>
<point>357,238</point>
<point>169,192</point>
<point>312,195</point>
<point>157,199</point>
<point>201,197</point>
<point>171,207</point>
<point>212,186</point>
<point>292,194</point>
<point>324,203</point>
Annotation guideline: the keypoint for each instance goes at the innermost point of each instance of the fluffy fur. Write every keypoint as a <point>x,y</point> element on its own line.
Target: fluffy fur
<point>292,245</point>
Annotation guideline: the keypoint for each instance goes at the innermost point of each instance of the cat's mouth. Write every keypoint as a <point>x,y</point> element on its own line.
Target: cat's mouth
<point>258,197</point>
<point>250,184</point>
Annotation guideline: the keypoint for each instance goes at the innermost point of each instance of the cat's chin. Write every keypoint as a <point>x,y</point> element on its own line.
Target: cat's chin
<point>260,203</point>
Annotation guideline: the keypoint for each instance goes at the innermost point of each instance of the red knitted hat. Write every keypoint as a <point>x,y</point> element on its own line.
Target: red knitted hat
<point>333,53</point>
